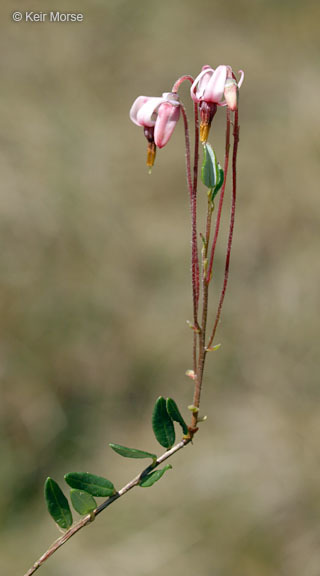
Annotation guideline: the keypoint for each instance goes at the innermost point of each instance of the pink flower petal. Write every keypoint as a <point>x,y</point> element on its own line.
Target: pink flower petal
<point>143,109</point>
<point>198,87</point>
<point>138,103</point>
<point>146,115</point>
<point>215,87</point>
<point>168,116</point>
<point>231,94</point>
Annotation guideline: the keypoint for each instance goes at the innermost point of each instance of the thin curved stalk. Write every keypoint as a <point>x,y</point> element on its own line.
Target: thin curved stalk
<point>193,207</point>
<point>231,227</point>
<point>218,220</point>
<point>194,244</point>
<point>202,335</point>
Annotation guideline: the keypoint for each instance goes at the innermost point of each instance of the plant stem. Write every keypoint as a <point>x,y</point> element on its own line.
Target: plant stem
<point>202,335</point>
<point>231,227</point>
<point>218,220</point>
<point>194,203</point>
<point>193,208</point>
<point>180,81</point>
<point>194,244</point>
<point>90,517</point>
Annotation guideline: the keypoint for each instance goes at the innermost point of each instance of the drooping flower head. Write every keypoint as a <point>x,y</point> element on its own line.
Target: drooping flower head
<point>158,117</point>
<point>213,88</point>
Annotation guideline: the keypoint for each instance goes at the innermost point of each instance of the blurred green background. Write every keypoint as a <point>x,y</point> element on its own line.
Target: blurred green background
<point>95,293</point>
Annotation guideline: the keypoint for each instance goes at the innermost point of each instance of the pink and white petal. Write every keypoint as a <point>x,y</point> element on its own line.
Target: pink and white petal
<point>231,94</point>
<point>171,97</point>
<point>241,72</point>
<point>203,83</point>
<point>168,116</point>
<point>198,87</point>
<point>147,114</point>
<point>215,87</point>
<point>138,103</point>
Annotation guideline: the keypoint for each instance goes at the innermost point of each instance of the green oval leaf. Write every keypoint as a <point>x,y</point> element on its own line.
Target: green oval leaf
<point>153,477</point>
<point>209,169</point>
<point>162,424</point>
<point>94,485</point>
<point>82,502</point>
<point>57,504</point>
<point>174,413</point>
<point>132,452</point>
<point>219,183</point>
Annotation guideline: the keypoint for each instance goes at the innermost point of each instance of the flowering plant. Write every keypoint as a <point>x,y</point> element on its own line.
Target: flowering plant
<point>158,116</point>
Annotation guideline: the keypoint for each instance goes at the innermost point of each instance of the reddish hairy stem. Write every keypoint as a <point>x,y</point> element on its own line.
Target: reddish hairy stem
<point>233,207</point>
<point>218,220</point>
<point>193,207</point>
<point>196,147</point>
<point>195,259</point>
<point>180,81</point>
<point>202,337</point>
<point>195,186</point>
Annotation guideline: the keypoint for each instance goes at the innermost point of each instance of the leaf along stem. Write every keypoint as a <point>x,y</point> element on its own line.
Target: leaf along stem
<point>90,517</point>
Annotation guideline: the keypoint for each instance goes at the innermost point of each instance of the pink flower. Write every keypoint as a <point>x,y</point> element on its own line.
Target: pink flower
<point>214,88</point>
<point>160,113</point>
<point>217,86</point>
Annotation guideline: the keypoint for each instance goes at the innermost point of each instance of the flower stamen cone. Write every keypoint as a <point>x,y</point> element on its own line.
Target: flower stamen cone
<point>151,154</point>
<point>152,148</point>
<point>207,112</point>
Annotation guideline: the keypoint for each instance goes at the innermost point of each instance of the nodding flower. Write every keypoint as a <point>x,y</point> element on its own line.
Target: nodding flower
<point>213,88</point>
<point>158,117</point>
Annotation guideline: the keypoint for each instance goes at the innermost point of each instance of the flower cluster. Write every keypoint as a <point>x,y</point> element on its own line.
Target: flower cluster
<point>159,115</point>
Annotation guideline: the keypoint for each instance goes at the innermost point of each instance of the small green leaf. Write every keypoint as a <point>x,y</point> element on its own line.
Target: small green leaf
<point>57,504</point>
<point>209,169</point>
<point>212,174</point>
<point>174,413</point>
<point>213,348</point>
<point>132,452</point>
<point>153,477</point>
<point>82,502</point>
<point>220,181</point>
<point>94,485</point>
<point>162,424</point>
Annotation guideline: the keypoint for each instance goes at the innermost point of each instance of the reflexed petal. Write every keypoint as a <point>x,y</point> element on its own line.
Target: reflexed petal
<point>171,97</point>
<point>203,83</point>
<point>138,103</point>
<point>146,115</point>
<point>215,87</point>
<point>231,94</point>
<point>198,87</point>
<point>143,109</point>
<point>241,72</point>
<point>168,116</point>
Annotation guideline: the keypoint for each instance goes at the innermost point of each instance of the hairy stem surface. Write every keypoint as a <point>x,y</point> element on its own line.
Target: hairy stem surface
<point>231,227</point>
